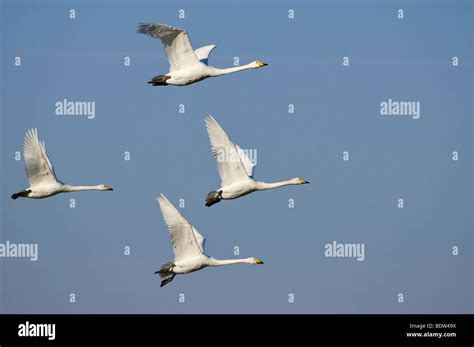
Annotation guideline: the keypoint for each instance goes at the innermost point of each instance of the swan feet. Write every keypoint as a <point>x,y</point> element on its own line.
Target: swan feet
<point>167,280</point>
<point>22,194</point>
<point>213,198</point>
<point>159,80</point>
<point>166,272</point>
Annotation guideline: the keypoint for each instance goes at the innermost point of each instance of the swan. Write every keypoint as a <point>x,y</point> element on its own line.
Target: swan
<point>40,172</point>
<point>187,66</point>
<point>188,246</point>
<point>235,168</point>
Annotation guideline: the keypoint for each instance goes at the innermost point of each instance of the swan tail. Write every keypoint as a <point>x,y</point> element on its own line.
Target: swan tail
<point>213,198</point>
<point>159,80</point>
<point>22,194</point>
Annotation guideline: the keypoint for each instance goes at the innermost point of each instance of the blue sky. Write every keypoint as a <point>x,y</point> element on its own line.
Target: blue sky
<point>337,109</point>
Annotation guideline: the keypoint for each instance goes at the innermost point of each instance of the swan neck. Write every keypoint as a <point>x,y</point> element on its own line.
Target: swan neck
<point>264,185</point>
<point>68,188</point>
<point>220,72</point>
<point>220,262</point>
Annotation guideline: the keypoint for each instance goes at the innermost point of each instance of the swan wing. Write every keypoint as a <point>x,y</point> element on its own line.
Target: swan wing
<point>202,53</point>
<point>186,240</point>
<point>248,164</point>
<point>225,152</point>
<point>38,166</point>
<point>200,239</point>
<point>176,42</point>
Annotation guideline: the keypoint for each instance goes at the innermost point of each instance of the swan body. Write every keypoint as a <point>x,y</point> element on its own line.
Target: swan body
<point>235,168</point>
<point>40,172</point>
<point>187,66</point>
<point>188,246</point>
<point>237,189</point>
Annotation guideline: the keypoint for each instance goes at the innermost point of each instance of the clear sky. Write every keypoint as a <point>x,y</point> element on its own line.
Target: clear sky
<point>337,109</point>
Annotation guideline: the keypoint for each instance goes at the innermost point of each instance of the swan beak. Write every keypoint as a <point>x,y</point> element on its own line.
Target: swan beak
<point>260,64</point>
<point>108,188</point>
<point>303,181</point>
<point>258,261</point>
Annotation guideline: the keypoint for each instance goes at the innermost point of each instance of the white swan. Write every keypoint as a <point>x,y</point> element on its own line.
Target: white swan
<point>188,246</point>
<point>235,168</point>
<point>186,65</point>
<point>40,172</point>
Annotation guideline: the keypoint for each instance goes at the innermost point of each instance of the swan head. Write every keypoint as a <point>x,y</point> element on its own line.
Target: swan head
<point>299,181</point>
<point>257,64</point>
<point>105,188</point>
<point>257,261</point>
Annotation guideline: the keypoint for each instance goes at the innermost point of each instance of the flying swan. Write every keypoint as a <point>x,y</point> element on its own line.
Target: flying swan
<point>187,66</point>
<point>235,168</point>
<point>40,172</point>
<point>188,246</point>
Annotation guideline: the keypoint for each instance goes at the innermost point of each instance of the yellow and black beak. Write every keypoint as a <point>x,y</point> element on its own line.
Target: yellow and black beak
<point>108,188</point>
<point>258,261</point>
<point>261,64</point>
<point>303,181</point>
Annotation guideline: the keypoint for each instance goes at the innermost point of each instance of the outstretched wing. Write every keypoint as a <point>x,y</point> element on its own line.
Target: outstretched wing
<point>203,53</point>
<point>227,154</point>
<point>186,240</point>
<point>200,239</point>
<point>248,164</point>
<point>38,167</point>
<point>176,42</point>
